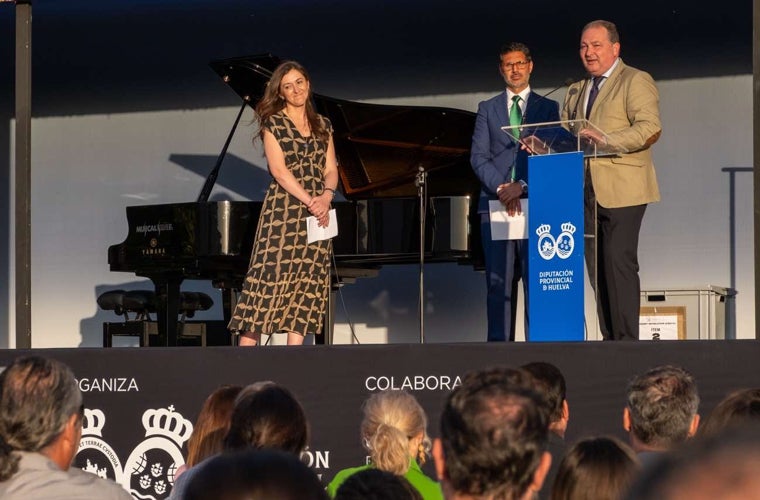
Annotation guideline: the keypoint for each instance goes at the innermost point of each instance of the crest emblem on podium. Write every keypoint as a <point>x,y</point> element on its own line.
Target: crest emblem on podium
<point>562,246</point>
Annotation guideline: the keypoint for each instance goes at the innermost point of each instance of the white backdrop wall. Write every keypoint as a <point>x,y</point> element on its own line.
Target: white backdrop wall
<point>87,169</point>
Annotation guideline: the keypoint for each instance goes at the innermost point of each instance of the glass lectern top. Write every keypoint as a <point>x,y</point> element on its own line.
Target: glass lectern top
<point>562,137</point>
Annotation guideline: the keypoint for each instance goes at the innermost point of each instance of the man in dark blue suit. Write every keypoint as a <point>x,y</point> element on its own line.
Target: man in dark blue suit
<point>502,168</point>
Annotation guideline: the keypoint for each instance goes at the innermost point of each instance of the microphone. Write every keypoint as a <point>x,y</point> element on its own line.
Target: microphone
<point>565,83</point>
<point>580,96</point>
<point>543,143</point>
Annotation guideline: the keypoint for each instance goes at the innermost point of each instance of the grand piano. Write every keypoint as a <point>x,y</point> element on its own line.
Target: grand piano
<point>401,168</point>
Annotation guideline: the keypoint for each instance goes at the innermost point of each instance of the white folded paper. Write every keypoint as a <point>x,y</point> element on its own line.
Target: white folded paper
<point>504,227</point>
<point>317,233</point>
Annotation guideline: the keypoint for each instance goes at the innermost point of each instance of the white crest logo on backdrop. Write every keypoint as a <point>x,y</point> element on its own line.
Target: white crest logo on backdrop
<point>148,473</point>
<point>95,455</point>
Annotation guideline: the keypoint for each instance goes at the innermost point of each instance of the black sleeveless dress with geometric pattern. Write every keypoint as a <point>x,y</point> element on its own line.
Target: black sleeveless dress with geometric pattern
<point>288,280</point>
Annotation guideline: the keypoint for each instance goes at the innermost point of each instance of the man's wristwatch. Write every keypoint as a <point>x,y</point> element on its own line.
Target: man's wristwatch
<point>524,185</point>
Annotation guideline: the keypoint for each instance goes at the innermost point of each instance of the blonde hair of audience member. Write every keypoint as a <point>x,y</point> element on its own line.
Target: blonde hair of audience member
<point>394,431</point>
<point>737,408</point>
<point>599,468</point>
<point>212,424</point>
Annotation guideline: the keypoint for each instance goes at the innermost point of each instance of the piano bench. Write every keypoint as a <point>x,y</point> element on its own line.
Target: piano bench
<point>139,302</point>
<point>189,302</point>
<point>144,330</point>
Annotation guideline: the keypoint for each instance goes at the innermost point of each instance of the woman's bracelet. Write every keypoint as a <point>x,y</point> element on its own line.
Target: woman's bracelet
<point>331,191</point>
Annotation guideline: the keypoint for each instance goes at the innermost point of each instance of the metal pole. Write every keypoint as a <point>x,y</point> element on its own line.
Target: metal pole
<point>23,173</point>
<point>421,182</point>
<point>732,171</point>
<point>756,149</point>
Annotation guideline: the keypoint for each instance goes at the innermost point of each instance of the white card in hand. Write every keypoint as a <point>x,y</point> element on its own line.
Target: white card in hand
<point>316,233</point>
<point>504,227</point>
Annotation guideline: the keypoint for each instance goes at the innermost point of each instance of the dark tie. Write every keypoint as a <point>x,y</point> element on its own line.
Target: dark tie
<point>515,116</point>
<point>592,95</point>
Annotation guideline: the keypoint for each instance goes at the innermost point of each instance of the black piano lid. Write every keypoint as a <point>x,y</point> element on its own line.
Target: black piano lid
<point>247,75</point>
<point>380,148</point>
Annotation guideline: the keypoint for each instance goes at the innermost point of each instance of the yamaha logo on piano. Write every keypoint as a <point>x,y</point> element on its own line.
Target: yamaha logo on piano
<point>153,250</point>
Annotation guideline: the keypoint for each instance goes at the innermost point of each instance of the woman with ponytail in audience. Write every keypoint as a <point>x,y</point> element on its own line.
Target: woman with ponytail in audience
<point>394,434</point>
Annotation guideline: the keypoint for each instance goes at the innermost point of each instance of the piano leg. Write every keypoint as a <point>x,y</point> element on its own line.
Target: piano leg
<point>229,301</point>
<point>167,309</point>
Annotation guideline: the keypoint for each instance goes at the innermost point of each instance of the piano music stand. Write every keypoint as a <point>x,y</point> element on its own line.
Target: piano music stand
<point>211,178</point>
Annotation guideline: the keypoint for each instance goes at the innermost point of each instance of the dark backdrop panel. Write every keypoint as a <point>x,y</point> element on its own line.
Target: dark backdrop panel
<point>333,381</point>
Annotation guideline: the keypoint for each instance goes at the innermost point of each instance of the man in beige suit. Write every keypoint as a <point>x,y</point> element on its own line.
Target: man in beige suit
<point>623,103</point>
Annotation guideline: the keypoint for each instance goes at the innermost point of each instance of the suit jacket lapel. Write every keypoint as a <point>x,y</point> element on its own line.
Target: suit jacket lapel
<point>501,109</point>
<point>578,109</point>
<point>529,111</point>
<point>610,82</point>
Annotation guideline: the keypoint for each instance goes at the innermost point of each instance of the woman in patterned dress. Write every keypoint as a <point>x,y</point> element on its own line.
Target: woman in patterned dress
<point>286,287</point>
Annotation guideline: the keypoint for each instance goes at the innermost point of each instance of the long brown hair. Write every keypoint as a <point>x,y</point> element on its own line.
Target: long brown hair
<point>212,424</point>
<point>272,102</point>
<point>740,407</point>
<point>597,468</point>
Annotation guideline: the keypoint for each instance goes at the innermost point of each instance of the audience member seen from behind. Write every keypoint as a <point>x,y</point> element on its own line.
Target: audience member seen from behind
<point>394,433</point>
<point>376,484</point>
<point>255,475</point>
<point>550,383</point>
<point>599,468</point>
<point>719,467</point>
<point>740,407</point>
<point>661,410</point>
<point>211,426</point>
<point>41,414</point>
<point>493,440</point>
<point>266,415</point>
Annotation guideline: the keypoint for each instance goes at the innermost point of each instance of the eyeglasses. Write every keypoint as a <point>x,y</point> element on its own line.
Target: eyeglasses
<point>518,65</point>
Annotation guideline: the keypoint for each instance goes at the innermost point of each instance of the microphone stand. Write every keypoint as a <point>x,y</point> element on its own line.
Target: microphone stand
<point>421,183</point>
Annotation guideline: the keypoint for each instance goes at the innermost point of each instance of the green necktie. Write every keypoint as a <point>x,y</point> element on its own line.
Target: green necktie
<point>515,116</point>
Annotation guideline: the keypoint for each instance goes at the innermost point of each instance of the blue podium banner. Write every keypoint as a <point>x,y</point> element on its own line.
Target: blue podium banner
<point>555,248</point>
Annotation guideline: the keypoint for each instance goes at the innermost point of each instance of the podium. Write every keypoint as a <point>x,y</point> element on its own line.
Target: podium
<point>555,225</point>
